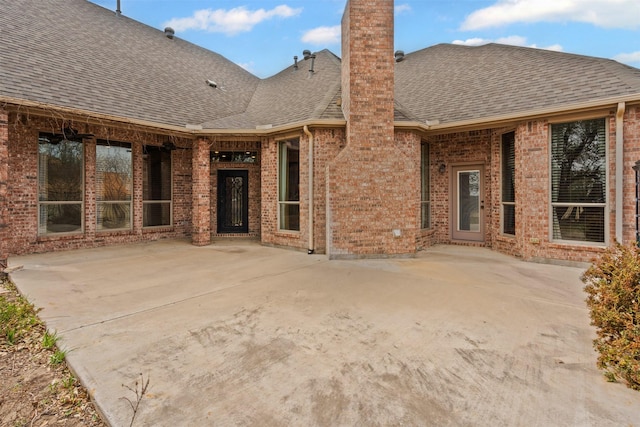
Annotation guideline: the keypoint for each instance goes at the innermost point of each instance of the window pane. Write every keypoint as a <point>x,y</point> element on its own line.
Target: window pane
<point>469,201</point>
<point>288,184</point>
<point>508,167</point>
<point>113,215</point>
<point>156,174</point>
<point>289,171</point>
<point>60,218</point>
<point>60,169</point>
<point>113,171</point>
<point>290,217</point>
<point>508,183</point>
<point>425,186</point>
<point>509,219</point>
<point>578,223</point>
<point>156,214</point>
<point>578,169</point>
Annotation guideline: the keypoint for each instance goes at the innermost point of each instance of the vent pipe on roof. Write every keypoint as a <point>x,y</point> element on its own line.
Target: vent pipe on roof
<point>295,62</point>
<point>306,54</point>
<point>399,55</point>
<point>118,11</point>
<point>169,32</point>
<point>312,65</point>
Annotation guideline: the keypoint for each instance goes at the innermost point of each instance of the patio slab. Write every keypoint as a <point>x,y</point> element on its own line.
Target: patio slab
<point>240,334</point>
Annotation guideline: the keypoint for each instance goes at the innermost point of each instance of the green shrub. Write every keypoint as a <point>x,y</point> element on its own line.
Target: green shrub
<point>613,288</point>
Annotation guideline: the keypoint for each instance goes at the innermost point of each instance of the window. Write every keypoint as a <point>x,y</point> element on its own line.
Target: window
<point>578,180</point>
<point>113,185</point>
<point>508,153</point>
<point>60,184</point>
<point>288,185</point>
<point>234,156</point>
<point>425,199</point>
<point>156,187</point>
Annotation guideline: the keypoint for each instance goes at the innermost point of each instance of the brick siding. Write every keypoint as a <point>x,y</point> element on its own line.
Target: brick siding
<point>201,192</point>
<point>22,185</point>
<point>373,183</point>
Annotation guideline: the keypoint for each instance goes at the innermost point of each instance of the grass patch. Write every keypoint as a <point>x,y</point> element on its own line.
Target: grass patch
<point>58,357</point>
<point>49,340</point>
<point>17,317</point>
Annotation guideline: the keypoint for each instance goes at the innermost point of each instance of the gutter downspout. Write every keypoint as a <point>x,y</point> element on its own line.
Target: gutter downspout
<point>311,249</point>
<point>619,171</point>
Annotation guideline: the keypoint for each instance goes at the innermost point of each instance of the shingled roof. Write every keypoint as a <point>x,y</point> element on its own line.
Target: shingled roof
<point>452,83</point>
<point>293,95</point>
<point>75,54</point>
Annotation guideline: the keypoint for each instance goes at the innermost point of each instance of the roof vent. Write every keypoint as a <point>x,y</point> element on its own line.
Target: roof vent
<point>212,83</point>
<point>306,54</point>
<point>168,31</point>
<point>118,11</point>
<point>399,55</point>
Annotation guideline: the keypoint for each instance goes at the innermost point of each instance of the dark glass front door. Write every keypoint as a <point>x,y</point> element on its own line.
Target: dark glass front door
<point>233,201</point>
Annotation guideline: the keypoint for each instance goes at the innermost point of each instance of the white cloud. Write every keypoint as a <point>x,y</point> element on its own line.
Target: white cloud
<point>230,22</point>
<point>628,58</point>
<point>323,35</point>
<point>249,66</point>
<point>601,13</point>
<point>402,8</point>
<point>510,40</point>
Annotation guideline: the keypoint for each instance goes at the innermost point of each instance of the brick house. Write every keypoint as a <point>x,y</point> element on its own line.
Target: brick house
<point>114,132</point>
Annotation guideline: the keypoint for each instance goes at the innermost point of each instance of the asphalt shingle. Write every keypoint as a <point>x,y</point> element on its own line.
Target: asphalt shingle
<point>451,83</point>
<point>73,53</point>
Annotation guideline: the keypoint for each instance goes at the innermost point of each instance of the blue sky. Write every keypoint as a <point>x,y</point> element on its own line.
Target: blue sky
<point>264,35</point>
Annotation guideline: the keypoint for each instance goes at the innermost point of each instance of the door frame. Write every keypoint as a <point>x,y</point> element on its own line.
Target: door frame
<point>220,185</point>
<point>464,236</point>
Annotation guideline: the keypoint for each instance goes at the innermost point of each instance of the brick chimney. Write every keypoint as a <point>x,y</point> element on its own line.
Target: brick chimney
<point>372,194</point>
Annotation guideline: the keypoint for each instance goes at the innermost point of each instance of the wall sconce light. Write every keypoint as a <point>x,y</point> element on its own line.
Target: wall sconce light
<point>442,168</point>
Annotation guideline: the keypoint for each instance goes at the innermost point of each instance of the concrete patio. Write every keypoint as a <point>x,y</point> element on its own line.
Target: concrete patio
<point>240,334</point>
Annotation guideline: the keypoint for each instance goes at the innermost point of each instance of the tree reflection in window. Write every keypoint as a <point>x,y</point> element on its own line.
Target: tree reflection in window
<point>578,176</point>
<point>60,184</point>
<point>113,185</point>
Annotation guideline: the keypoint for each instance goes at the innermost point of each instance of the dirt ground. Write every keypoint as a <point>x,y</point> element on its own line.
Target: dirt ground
<point>33,392</point>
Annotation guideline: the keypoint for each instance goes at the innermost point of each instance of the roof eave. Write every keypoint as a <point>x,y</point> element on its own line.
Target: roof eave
<point>268,130</point>
<point>45,108</point>
<point>193,130</point>
<point>514,117</point>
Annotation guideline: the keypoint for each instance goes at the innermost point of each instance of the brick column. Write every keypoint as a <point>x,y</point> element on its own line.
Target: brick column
<point>201,193</point>
<point>373,190</point>
<point>4,176</point>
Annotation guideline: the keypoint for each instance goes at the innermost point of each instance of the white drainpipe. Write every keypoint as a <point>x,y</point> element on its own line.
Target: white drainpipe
<point>311,242</point>
<point>619,171</point>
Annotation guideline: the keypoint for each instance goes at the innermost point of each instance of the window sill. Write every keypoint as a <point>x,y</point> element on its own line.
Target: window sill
<point>158,229</point>
<point>565,244</point>
<point>61,236</point>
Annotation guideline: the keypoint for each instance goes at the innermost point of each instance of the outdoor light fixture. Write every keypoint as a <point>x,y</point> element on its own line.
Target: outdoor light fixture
<point>442,168</point>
